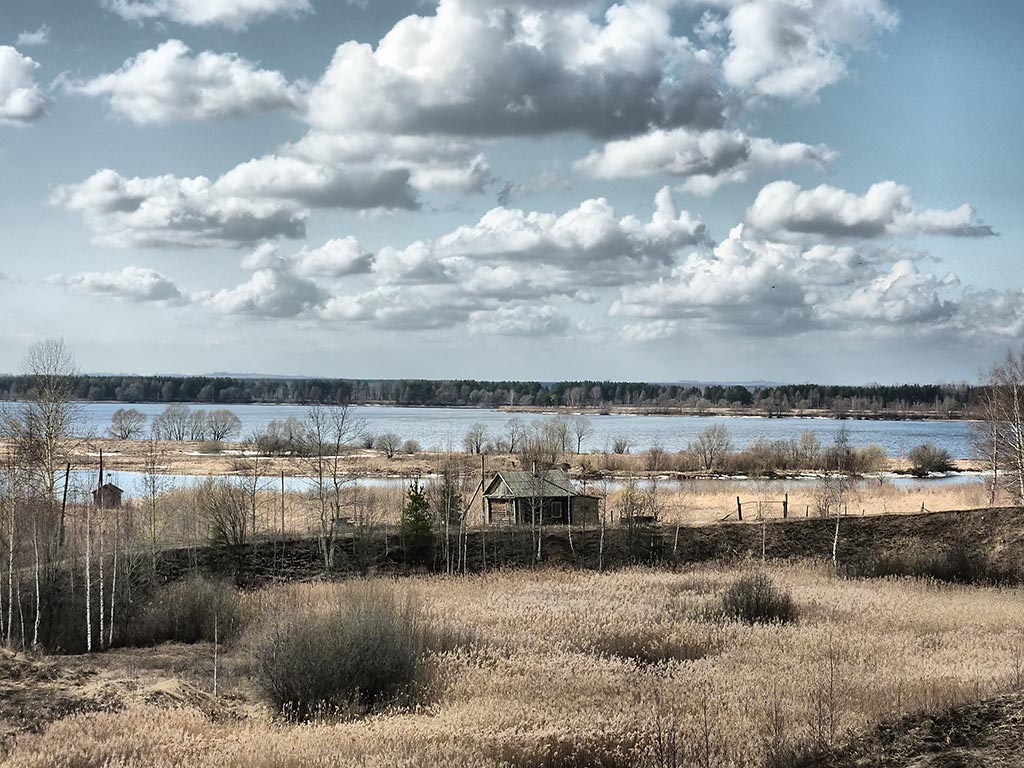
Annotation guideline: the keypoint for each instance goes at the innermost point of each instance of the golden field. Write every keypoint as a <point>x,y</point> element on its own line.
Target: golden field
<point>569,669</point>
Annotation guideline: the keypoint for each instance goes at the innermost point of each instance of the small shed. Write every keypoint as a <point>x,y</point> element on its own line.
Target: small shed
<point>107,496</point>
<point>517,497</point>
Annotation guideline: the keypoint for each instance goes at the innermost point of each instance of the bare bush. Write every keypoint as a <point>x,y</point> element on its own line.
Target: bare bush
<point>389,444</point>
<point>190,611</point>
<point>368,651</point>
<point>223,509</point>
<point>926,458</point>
<point>754,599</point>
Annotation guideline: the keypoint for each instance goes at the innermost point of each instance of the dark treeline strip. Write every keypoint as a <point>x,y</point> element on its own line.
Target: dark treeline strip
<point>942,400</point>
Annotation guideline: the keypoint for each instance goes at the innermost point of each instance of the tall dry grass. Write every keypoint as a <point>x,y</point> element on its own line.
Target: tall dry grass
<point>551,680</point>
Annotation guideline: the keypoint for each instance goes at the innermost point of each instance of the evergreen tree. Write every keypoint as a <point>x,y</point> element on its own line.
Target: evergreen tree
<point>417,526</point>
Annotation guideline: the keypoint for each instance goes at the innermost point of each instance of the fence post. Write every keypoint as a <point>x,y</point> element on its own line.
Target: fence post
<point>785,507</point>
<point>739,508</point>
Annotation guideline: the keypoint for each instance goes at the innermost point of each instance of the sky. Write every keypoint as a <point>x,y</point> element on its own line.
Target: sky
<point>783,190</point>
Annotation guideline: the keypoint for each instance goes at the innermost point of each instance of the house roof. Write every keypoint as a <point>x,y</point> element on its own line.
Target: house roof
<point>518,484</point>
<point>109,487</point>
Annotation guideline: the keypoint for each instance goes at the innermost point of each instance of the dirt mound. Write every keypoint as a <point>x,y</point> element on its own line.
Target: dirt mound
<point>986,734</point>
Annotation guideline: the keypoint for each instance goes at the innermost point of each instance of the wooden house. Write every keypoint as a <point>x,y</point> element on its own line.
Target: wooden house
<point>107,496</point>
<point>517,497</point>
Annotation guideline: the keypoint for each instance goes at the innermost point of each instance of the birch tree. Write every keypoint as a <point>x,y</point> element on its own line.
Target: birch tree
<point>329,431</point>
<point>1003,410</point>
<point>42,430</point>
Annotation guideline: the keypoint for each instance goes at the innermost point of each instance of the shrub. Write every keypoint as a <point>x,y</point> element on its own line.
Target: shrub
<point>411,447</point>
<point>389,443</point>
<point>367,652</point>
<point>190,611</point>
<point>927,458</point>
<point>959,563</point>
<point>755,599</point>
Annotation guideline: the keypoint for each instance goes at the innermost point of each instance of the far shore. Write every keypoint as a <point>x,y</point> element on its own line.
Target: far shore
<point>603,410</point>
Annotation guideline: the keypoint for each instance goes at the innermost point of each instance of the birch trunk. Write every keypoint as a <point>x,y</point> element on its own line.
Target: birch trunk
<point>113,581</point>
<point>35,548</point>
<point>10,579</point>
<point>102,598</point>
<point>88,579</point>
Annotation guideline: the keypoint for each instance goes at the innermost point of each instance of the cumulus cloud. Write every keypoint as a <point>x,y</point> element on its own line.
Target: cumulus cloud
<point>793,49</point>
<point>520,71</point>
<point>336,258</point>
<point>40,36</point>
<point>495,276</point>
<point>163,211</point>
<point>521,320</point>
<point>132,283</point>
<point>269,292</point>
<point>902,295</point>
<point>432,162</point>
<point>784,211</point>
<point>261,199</point>
<point>168,83</point>
<point>314,185</point>
<point>21,99</point>
<point>407,308</point>
<point>233,14</point>
<point>755,286</point>
<point>588,245</point>
<point>705,159</point>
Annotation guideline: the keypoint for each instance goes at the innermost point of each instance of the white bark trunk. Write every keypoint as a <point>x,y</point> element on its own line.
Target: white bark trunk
<point>88,579</point>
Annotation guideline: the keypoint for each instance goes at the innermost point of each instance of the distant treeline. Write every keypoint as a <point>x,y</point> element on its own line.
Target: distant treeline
<point>932,399</point>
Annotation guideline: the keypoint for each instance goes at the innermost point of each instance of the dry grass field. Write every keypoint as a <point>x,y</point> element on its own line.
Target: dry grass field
<point>633,668</point>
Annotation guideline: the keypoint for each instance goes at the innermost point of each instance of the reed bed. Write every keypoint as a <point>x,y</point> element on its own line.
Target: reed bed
<point>631,668</point>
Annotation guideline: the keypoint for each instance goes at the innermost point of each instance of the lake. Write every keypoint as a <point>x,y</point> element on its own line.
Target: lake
<point>133,482</point>
<point>446,427</point>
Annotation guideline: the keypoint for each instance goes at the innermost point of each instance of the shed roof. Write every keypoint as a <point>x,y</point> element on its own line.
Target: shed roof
<point>518,484</point>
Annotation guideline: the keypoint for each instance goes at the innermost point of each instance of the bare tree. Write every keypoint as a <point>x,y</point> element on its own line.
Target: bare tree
<point>330,430</point>
<point>224,511</point>
<point>447,493</point>
<point>557,431</point>
<point>1003,407</point>
<point>155,485</point>
<point>198,425</point>
<point>254,467</point>
<point>984,437</point>
<point>581,429</point>
<point>127,424</point>
<point>43,430</point>
<point>711,445</point>
<point>836,485</point>
<point>45,425</point>
<point>222,424</point>
<point>515,432</point>
<point>475,438</point>
<point>389,443</point>
<point>173,423</point>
